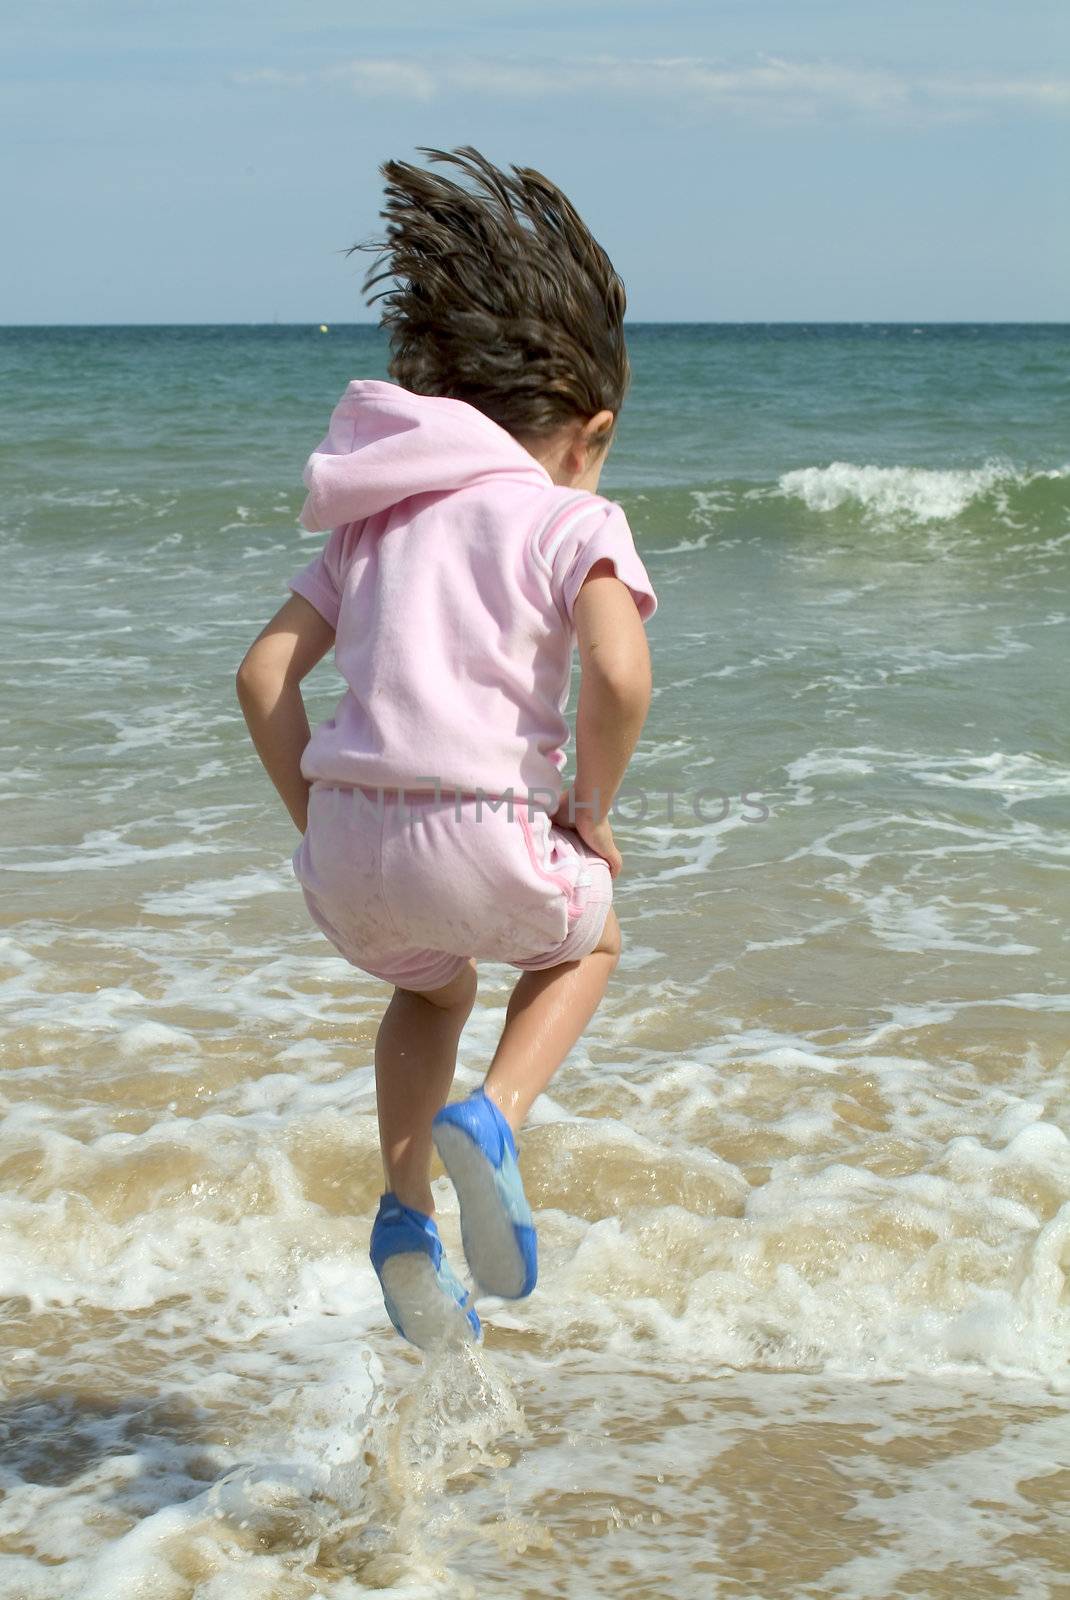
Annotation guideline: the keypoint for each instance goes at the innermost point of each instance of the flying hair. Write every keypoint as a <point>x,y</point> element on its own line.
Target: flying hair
<point>498,295</point>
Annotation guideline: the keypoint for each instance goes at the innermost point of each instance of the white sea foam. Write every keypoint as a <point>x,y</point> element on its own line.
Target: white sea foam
<point>208,897</point>
<point>158,725</point>
<point>912,494</point>
<point>663,1261</point>
<point>824,764</point>
<point>103,850</point>
<point>1016,775</point>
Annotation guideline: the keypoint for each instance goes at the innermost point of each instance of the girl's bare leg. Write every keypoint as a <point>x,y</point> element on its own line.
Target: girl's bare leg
<point>415,1059</point>
<point>547,1013</point>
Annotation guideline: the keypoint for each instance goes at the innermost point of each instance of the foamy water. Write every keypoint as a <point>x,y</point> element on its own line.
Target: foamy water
<point>803,1190</point>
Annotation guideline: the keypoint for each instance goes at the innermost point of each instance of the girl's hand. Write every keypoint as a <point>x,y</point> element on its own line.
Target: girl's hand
<point>597,835</point>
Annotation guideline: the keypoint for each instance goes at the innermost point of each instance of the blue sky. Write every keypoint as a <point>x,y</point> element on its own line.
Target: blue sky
<point>751,160</point>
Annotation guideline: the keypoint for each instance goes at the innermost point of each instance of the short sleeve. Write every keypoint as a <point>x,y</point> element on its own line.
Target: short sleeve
<point>321,581</point>
<point>595,532</point>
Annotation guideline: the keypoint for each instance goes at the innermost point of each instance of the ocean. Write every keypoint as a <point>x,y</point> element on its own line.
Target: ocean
<point>803,1189</point>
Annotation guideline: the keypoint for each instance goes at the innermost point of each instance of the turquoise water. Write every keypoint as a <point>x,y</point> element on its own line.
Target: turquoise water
<point>708,402</point>
<point>804,1189</point>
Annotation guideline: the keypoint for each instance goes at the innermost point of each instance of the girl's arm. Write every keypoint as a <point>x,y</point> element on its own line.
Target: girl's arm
<point>615,691</point>
<point>269,692</point>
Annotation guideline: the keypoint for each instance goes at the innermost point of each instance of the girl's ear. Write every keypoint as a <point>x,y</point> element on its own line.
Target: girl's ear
<point>598,432</point>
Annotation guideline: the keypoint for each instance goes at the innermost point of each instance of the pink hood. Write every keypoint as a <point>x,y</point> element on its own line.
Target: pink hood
<point>385,443</point>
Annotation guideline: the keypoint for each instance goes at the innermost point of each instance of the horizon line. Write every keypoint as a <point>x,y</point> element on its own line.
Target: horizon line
<point>639,322</point>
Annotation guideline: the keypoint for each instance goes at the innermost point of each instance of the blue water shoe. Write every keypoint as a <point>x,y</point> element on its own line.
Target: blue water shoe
<point>479,1153</point>
<point>424,1299</point>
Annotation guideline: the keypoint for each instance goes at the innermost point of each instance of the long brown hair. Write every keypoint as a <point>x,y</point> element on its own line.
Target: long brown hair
<point>502,297</point>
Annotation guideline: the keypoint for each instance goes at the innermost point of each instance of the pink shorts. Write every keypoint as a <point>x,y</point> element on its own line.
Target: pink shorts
<point>409,886</point>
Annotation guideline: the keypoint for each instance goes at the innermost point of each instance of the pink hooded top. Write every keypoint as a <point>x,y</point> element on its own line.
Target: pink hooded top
<point>449,577</point>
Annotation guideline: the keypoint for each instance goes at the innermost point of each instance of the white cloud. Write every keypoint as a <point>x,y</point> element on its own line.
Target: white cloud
<point>272,76</point>
<point>406,80</point>
<point>769,86</point>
